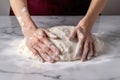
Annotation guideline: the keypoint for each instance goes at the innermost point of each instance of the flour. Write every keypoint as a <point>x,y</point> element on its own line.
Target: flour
<point>20,20</point>
<point>66,47</point>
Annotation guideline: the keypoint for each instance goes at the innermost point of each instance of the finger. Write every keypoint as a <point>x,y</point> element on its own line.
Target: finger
<point>82,48</point>
<point>35,41</point>
<point>48,46</point>
<point>51,35</point>
<point>36,54</point>
<point>90,54</point>
<point>34,51</point>
<point>79,46</point>
<point>40,52</point>
<point>80,35</point>
<point>55,50</point>
<point>73,33</point>
<point>48,51</point>
<point>78,50</point>
<point>43,54</point>
<point>85,51</point>
<point>47,57</point>
<point>94,51</point>
<point>51,55</point>
<point>46,41</point>
<point>51,46</point>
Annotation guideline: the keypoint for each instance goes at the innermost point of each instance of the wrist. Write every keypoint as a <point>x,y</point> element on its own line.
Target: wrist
<point>28,30</point>
<point>86,24</point>
<point>84,27</point>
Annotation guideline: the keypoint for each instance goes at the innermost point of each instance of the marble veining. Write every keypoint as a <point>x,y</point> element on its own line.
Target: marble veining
<point>45,75</point>
<point>106,66</point>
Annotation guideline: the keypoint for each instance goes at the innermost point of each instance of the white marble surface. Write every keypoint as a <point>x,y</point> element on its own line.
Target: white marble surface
<point>106,66</point>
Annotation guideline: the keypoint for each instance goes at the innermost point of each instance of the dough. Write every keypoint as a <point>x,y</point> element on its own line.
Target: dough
<point>66,47</point>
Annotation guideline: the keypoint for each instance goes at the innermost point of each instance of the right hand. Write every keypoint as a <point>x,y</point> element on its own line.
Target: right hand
<point>37,41</point>
<point>85,48</point>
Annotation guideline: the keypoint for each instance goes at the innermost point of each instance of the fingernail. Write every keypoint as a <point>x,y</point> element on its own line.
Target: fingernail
<point>52,61</point>
<point>57,58</point>
<point>89,58</point>
<point>53,35</point>
<point>82,60</point>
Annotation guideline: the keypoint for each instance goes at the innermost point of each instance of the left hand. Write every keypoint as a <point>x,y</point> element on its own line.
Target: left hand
<point>85,48</point>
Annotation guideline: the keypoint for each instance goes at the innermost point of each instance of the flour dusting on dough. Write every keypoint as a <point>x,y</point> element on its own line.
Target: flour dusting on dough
<point>66,47</point>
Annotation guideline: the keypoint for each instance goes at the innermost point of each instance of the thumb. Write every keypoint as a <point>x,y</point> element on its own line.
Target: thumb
<point>72,34</point>
<point>80,35</point>
<point>51,35</point>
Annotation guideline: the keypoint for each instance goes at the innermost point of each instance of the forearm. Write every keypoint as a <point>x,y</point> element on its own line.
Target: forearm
<point>94,10</point>
<point>20,10</point>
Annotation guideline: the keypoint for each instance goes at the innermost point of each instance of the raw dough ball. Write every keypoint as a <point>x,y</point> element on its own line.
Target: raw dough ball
<point>66,47</point>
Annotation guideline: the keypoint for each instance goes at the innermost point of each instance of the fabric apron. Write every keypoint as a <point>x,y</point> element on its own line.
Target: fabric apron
<point>57,7</point>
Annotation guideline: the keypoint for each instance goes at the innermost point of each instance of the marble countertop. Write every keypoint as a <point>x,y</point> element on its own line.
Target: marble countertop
<point>105,66</point>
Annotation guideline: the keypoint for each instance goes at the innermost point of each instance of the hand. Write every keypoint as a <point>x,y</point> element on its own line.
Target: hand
<point>85,48</point>
<point>37,41</point>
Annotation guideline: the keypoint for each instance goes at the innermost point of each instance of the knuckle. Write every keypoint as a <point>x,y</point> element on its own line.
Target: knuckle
<point>48,49</point>
<point>41,34</point>
<point>42,54</point>
<point>45,48</point>
<point>42,37</point>
<point>42,50</point>
<point>34,52</point>
<point>86,46</point>
<point>36,41</point>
